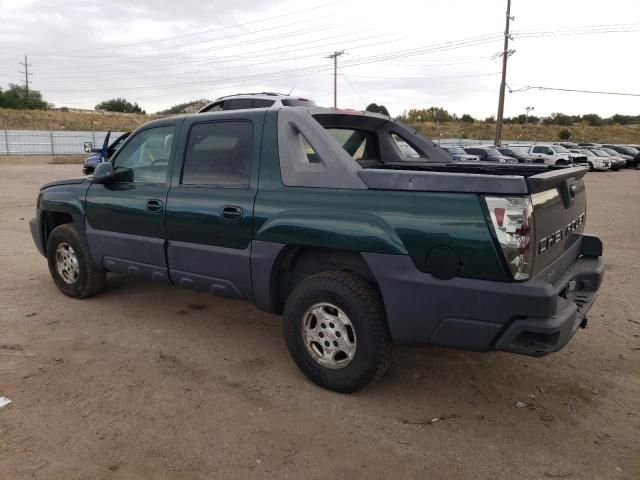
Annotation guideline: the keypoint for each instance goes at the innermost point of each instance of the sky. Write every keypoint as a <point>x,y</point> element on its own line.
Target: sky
<point>402,54</point>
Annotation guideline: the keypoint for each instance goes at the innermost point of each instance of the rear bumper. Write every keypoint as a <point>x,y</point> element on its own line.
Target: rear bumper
<point>535,318</point>
<point>575,293</point>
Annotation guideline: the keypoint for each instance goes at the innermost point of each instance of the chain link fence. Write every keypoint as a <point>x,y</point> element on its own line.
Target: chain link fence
<point>49,142</point>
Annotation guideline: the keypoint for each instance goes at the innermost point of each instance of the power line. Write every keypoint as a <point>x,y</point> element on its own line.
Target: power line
<point>296,12</point>
<point>352,86</point>
<point>473,41</point>
<point>573,90</point>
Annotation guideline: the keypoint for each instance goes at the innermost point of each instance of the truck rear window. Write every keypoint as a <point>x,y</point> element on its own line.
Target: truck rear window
<point>360,144</point>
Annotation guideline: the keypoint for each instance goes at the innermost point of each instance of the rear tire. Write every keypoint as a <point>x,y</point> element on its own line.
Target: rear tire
<point>336,331</point>
<point>70,265</point>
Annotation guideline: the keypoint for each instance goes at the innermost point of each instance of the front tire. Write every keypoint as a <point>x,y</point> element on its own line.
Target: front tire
<point>336,331</point>
<point>70,264</point>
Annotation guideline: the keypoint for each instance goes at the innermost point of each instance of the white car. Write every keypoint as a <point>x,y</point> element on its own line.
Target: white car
<point>243,101</point>
<point>595,162</point>
<point>551,154</point>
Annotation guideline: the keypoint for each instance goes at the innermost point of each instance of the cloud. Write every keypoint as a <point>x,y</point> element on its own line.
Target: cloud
<point>85,51</point>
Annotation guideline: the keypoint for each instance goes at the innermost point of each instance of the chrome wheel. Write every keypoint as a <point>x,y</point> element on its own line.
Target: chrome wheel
<point>67,263</point>
<point>329,335</point>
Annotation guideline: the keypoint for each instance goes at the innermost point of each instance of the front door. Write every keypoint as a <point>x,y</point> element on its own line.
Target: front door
<point>210,204</point>
<point>125,217</point>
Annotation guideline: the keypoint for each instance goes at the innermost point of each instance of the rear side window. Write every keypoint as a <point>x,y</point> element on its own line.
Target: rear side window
<point>238,104</point>
<point>218,154</point>
<point>260,103</point>
<point>360,144</point>
<point>407,150</point>
<point>541,150</point>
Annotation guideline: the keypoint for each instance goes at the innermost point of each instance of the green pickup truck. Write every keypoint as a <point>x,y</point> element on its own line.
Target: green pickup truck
<point>361,232</point>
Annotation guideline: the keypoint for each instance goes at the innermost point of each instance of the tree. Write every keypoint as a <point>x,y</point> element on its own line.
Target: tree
<point>16,97</point>
<point>119,105</point>
<point>560,119</point>
<point>375,108</point>
<point>187,107</point>
<point>466,118</point>
<point>564,134</point>
<point>593,119</point>
<point>490,119</point>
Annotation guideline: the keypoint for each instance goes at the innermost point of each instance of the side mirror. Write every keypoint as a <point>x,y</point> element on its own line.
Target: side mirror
<point>103,173</point>
<point>88,147</point>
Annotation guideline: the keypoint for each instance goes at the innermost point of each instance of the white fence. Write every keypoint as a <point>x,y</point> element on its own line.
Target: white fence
<point>49,142</point>
<point>58,142</point>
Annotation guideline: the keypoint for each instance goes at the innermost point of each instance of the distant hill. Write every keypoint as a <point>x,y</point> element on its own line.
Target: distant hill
<point>187,107</point>
<point>60,120</point>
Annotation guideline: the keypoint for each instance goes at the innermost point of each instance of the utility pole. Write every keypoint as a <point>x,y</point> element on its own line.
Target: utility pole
<point>503,84</point>
<point>26,72</point>
<point>335,56</point>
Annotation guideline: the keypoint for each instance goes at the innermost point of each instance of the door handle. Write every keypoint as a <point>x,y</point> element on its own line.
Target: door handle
<point>154,205</point>
<point>231,213</point>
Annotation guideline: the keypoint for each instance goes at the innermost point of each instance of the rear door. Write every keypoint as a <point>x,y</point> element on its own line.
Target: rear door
<point>209,212</point>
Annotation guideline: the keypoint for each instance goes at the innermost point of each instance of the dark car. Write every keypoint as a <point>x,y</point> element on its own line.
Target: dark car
<point>521,154</point>
<point>490,154</point>
<point>633,152</point>
<point>101,154</point>
<point>628,159</point>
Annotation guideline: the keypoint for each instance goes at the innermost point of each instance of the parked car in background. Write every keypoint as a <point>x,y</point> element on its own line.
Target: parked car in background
<point>489,154</point>
<point>567,144</point>
<point>628,159</point>
<point>244,101</point>
<point>520,153</point>
<point>460,155</point>
<point>627,150</point>
<point>101,154</point>
<point>552,154</point>
<point>594,161</point>
<point>616,162</point>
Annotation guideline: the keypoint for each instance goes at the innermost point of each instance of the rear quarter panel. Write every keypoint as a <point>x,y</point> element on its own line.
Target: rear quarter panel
<point>375,221</point>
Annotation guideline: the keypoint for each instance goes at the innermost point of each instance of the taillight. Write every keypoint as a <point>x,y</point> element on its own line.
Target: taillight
<point>513,225</point>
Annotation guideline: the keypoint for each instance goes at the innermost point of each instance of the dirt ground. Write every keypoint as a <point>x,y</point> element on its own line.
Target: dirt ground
<point>152,382</point>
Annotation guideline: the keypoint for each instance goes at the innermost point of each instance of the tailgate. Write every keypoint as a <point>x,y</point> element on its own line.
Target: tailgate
<point>559,210</point>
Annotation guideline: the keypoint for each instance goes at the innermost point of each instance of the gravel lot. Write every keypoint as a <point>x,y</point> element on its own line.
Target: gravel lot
<point>147,381</point>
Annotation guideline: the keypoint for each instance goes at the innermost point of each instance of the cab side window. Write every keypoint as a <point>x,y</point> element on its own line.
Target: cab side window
<point>219,154</point>
<point>145,158</point>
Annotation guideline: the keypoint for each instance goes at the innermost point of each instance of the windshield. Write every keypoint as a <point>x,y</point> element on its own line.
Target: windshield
<point>520,150</point>
<point>455,150</point>
<point>601,153</point>
<point>610,151</point>
<point>588,153</point>
<point>492,152</point>
<point>560,149</point>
